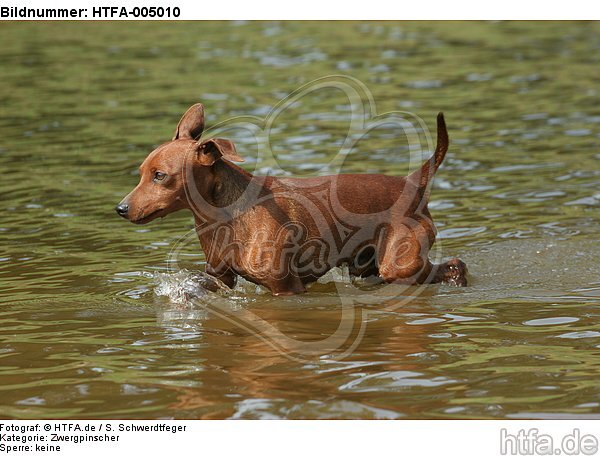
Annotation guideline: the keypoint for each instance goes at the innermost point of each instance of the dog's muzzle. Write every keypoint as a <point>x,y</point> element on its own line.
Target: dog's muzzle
<point>122,209</point>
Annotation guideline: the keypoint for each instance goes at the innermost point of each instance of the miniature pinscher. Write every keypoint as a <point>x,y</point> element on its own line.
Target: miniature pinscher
<point>284,233</point>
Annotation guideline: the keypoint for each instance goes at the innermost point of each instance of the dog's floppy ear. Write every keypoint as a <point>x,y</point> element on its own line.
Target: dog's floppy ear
<point>191,124</point>
<point>211,150</point>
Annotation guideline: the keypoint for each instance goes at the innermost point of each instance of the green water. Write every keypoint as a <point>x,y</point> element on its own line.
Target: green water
<point>83,332</point>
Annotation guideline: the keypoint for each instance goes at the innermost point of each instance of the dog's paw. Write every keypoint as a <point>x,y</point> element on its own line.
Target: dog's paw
<point>455,273</point>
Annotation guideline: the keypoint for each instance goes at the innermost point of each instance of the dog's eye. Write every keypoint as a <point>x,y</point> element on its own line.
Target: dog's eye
<point>158,176</point>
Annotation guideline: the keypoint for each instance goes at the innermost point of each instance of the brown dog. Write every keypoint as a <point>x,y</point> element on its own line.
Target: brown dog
<point>284,233</point>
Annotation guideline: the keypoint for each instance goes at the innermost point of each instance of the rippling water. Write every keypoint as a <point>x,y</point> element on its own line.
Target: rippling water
<point>95,323</point>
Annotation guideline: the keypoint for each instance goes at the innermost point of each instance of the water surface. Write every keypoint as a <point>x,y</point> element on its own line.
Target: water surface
<point>92,321</point>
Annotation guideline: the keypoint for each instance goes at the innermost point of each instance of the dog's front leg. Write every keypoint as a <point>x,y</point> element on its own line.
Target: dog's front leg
<point>225,275</point>
<point>290,285</point>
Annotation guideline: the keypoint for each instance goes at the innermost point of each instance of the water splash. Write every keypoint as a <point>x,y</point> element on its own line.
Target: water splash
<point>183,286</point>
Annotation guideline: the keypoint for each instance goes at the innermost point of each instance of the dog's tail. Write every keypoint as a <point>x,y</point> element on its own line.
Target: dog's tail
<point>423,176</point>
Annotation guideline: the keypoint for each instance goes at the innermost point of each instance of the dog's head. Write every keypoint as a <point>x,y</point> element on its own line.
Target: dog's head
<point>163,174</point>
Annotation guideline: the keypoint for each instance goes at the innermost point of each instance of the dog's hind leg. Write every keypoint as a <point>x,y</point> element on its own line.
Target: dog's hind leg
<point>402,255</point>
<point>403,260</point>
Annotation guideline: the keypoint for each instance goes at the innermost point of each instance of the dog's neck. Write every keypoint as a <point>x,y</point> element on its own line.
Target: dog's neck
<point>233,192</point>
<point>231,183</point>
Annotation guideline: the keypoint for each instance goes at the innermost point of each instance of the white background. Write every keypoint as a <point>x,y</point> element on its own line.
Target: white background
<point>351,9</point>
<point>330,438</point>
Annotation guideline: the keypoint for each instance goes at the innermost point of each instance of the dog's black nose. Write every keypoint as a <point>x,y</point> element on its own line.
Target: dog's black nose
<point>122,209</point>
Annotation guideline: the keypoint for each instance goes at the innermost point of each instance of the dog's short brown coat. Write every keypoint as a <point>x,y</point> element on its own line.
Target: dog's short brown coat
<point>284,233</point>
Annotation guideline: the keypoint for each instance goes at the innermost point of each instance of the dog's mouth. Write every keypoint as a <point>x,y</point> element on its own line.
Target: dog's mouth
<point>147,218</point>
